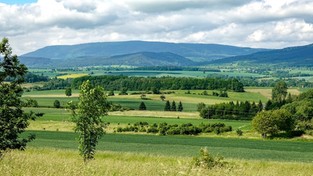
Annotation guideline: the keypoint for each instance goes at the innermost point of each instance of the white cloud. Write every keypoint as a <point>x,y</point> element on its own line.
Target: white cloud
<point>252,23</point>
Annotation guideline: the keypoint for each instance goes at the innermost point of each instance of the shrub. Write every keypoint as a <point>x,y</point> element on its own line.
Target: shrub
<point>239,132</point>
<point>207,160</point>
<point>56,104</point>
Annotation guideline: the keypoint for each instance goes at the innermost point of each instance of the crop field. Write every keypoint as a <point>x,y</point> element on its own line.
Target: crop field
<point>75,75</point>
<point>185,145</point>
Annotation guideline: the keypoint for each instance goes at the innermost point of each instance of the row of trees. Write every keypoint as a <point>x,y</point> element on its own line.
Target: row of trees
<point>172,107</point>
<point>231,110</point>
<point>164,83</point>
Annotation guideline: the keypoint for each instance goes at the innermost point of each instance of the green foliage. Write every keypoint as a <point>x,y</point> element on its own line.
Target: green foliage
<point>92,105</point>
<point>30,103</point>
<point>180,107</point>
<point>279,92</point>
<point>111,93</point>
<point>272,122</point>
<point>200,106</point>
<point>164,83</point>
<point>164,128</point>
<point>239,132</point>
<point>239,111</point>
<point>207,160</point>
<point>173,106</point>
<point>162,97</point>
<point>13,120</point>
<point>68,91</point>
<point>56,104</point>
<point>167,106</point>
<point>142,106</point>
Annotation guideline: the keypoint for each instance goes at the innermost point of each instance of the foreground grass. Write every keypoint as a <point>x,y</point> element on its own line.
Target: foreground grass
<point>237,148</point>
<point>38,161</point>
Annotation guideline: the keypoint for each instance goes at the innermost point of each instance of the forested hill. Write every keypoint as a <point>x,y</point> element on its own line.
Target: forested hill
<point>134,59</point>
<point>291,56</point>
<point>102,50</point>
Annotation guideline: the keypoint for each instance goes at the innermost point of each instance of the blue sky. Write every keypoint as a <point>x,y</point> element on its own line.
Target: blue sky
<point>31,24</point>
<point>17,1</point>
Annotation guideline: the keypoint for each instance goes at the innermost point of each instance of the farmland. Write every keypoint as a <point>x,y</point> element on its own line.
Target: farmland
<point>173,153</point>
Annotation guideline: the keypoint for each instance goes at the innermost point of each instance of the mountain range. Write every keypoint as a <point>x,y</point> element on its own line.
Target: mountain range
<point>143,53</point>
<point>291,56</point>
<point>134,53</point>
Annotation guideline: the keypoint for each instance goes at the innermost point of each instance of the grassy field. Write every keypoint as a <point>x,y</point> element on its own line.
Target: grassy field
<point>152,154</point>
<point>153,102</point>
<point>74,75</point>
<point>38,161</point>
<point>237,148</point>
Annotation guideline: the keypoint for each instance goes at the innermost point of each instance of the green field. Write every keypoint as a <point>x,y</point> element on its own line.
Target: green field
<point>185,145</point>
<point>154,103</point>
<point>135,153</point>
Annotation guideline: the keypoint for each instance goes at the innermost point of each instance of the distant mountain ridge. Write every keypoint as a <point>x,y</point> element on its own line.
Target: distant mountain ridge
<point>155,52</point>
<point>292,56</point>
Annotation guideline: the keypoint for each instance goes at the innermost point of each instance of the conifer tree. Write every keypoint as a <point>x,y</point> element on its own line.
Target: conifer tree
<point>173,107</point>
<point>180,107</point>
<point>167,106</point>
<point>13,120</point>
<point>142,106</point>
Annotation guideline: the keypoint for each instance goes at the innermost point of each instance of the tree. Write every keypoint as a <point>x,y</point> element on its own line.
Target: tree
<point>279,92</point>
<point>13,120</point>
<point>167,106</point>
<point>162,97</point>
<point>56,104</point>
<point>173,107</point>
<point>91,106</point>
<point>260,106</point>
<point>111,93</point>
<point>68,91</point>
<point>142,106</point>
<point>200,106</point>
<point>180,107</point>
<point>271,122</point>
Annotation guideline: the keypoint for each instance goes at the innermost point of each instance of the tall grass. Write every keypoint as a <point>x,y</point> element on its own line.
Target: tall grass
<point>47,161</point>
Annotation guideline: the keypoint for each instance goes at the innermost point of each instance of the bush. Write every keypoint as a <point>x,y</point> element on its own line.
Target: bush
<point>239,132</point>
<point>57,104</point>
<point>207,160</point>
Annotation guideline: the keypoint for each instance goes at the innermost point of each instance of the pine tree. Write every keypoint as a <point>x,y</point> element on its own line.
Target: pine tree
<point>13,120</point>
<point>142,106</point>
<point>260,106</point>
<point>167,106</point>
<point>173,107</point>
<point>180,107</point>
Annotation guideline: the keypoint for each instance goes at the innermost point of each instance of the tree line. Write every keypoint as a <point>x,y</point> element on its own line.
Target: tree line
<point>164,83</point>
<point>235,111</point>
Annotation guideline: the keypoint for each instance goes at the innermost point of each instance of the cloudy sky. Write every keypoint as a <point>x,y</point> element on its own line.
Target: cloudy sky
<point>32,24</point>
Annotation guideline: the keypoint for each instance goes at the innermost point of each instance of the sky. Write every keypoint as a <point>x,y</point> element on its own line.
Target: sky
<point>33,24</point>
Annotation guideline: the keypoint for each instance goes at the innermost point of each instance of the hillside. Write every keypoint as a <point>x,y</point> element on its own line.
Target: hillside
<point>292,56</point>
<point>99,51</point>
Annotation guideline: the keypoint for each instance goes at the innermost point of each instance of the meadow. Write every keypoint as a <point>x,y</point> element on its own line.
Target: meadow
<point>52,161</point>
